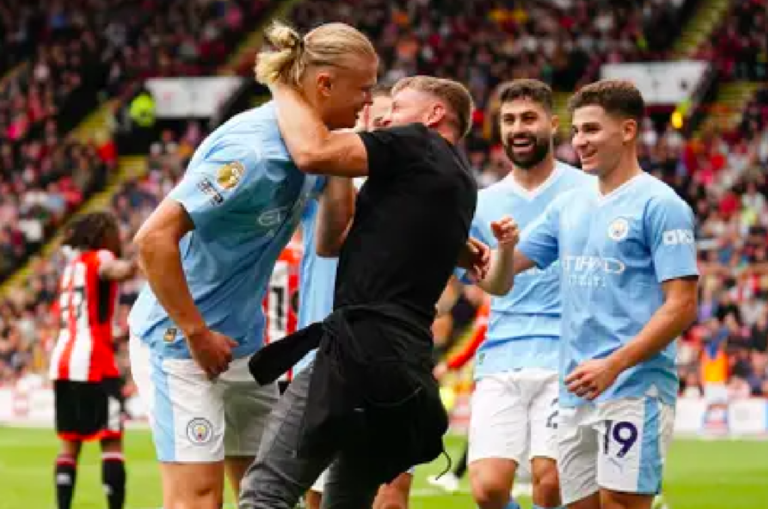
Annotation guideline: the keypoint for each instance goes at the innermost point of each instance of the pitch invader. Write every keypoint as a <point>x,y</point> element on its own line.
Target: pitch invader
<point>318,277</point>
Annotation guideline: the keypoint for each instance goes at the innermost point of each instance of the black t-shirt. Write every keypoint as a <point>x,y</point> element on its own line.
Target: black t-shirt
<point>411,220</point>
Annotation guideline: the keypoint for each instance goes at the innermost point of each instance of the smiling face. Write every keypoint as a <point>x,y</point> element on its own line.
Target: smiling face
<point>527,129</point>
<point>408,106</point>
<point>600,139</point>
<point>345,91</point>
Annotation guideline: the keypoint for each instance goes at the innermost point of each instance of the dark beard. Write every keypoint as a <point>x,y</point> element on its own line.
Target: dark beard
<point>538,154</point>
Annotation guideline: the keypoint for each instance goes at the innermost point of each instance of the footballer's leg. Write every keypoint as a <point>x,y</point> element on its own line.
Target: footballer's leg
<point>498,432</point>
<point>66,472</point>
<point>543,443</point>
<point>577,453</point>
<point>186,413</point>
<point>395,494</point>
<point>68,427</point>
<point>635,434</point>
<point>113,473</point>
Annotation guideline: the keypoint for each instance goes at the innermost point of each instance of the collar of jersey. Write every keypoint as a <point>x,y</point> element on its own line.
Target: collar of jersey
<point>602,199</point>
<point>533,193</point>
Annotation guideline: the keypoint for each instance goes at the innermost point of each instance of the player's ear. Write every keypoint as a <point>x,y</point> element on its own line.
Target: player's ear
<point>324,83</point>
<point>554,124</point>
<point>435,114</point>
<point>629,130</point>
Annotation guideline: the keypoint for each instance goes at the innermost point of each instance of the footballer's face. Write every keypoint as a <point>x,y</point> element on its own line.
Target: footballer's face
<point>527,129</point>
<point>345,91</point>
<point>600,139</point>
<point>373,116</point>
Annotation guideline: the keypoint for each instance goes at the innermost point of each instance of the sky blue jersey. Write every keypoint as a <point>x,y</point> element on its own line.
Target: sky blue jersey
<point>524,325</point>
<point>615,251</point>
<point>245,197</point>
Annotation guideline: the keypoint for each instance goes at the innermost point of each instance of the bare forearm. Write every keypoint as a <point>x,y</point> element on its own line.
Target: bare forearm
<point>337,207</point>
<point>505,264</point>
<point>313,147</point>
<point>160,260</point>
<point>300,125</point>
<point>118,270</point>
<point>669,321</point>
<point>449,297</point>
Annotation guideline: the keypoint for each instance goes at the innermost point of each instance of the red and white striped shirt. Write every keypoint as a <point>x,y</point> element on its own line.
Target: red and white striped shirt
<point>281,303</point>
<point>84,350</point>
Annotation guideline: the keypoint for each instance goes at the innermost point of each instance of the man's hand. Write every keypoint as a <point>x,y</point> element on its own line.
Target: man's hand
<point>592,378</point>
<point>476,259</point>
<point>440,370</point>
<point>212,351</point>
<point>506,232</point>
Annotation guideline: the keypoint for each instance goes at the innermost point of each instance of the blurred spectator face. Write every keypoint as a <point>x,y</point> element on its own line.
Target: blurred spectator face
<point>526,132</point>
<point>599,139</point>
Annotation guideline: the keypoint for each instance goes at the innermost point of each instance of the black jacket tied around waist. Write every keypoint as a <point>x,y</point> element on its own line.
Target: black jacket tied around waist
<point>372,392</point>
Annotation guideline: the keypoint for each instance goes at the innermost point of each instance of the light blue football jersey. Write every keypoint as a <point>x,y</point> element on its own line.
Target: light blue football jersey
<point>615,251</point>
<point>524,325</point>
<point>245,197</point>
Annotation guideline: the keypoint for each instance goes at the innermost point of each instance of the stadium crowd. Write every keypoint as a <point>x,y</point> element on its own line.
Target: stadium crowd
<point>721,175</point>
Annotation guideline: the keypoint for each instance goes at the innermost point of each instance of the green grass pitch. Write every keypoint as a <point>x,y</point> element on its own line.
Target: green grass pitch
<point>729,474</point>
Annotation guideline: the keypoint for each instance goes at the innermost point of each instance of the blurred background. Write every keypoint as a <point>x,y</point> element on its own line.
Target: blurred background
<point>102,103</point>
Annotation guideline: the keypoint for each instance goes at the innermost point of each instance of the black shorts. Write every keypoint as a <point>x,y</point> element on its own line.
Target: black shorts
<point>88,410</point>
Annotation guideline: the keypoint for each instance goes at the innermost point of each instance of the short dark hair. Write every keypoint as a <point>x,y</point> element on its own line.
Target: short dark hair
<point>534,90</point>
<point>617,97</point>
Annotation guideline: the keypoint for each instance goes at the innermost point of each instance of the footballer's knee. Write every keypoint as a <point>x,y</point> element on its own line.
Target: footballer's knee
<point>491,482</point>
<point>546,483</point>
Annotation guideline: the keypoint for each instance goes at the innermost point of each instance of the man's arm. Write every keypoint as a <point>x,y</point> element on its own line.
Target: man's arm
<point>160,260</point>
<point>593,377</point>
<point>334,216</point>
<point>313,147</point>
<point>677,313</point>
<point>117,270</point>
<point>449,297</point>
<point>506,263</point>
<point>670,225</point>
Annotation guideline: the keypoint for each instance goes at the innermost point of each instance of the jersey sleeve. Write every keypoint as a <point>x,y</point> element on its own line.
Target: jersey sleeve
<point>217,184</point>
<point>389,149</point>
<point>670,227</point>
<point>539,242</point>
